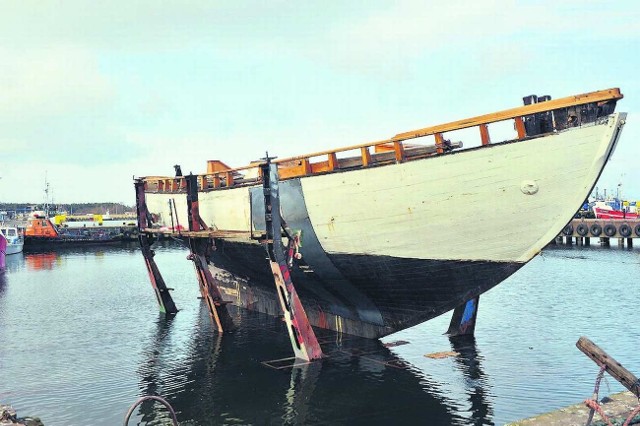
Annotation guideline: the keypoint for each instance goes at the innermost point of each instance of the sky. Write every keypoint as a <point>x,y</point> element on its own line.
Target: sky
<point>95,93</point>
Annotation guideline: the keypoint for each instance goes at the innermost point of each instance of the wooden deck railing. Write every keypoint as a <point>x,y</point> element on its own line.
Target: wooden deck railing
<point>392,150</point>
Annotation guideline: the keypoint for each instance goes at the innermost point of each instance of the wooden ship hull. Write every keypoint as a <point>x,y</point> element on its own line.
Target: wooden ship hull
<point>395,237</point>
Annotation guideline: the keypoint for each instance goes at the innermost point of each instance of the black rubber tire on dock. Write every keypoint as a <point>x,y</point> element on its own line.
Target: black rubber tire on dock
<point>625,230</point>
<point>610,230</point>
<point>596,230</point>
<point>582,229</point>
<point>637,230</point>
<point>568,230</point>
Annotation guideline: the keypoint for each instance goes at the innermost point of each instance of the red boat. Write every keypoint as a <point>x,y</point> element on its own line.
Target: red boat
<point>610,213</point>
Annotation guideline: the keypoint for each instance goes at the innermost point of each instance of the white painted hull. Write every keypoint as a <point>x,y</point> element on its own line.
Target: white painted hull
<point>107,223</point>
<point>499,203</point>
<point>388,247</point>
<point>15,248</point>
<point>15,243</point>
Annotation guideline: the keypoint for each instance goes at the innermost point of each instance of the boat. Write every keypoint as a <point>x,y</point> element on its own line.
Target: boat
<point>40,231</point>
<point>123,225</point>
<point>399,231</point>
<point>610,213</point>
<point>15,242</point>
<point>3,252</point>
<point>614,209</point>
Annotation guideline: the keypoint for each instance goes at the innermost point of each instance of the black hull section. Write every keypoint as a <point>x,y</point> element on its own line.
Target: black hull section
<point>374,295</point>
<point>36,242</point>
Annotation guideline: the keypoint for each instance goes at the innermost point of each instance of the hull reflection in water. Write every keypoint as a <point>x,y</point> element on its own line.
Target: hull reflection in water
<point>223,378</point>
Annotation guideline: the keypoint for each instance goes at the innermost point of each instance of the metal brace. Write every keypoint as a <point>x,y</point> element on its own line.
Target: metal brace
<point>200,253</point>
<point>165,301</point>
<point>463,320</point>
<point>303,339</point>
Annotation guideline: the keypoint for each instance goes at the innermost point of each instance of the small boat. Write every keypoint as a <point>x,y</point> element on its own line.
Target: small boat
<point>41,231</point>
<point>3,252</point>
<point>383,242</point>
<point>15,242</point>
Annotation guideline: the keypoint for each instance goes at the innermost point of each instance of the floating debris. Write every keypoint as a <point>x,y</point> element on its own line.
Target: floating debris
<point>440,355</point>
<point>396,343</point>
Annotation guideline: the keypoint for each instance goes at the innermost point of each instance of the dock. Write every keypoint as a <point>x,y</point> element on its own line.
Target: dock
<point>581,231</point>
<point>617,407</point>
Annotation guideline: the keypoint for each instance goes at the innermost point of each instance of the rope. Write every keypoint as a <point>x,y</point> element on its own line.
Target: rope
<point>155,398</point>
<point>594,397</point>
<point>596,407</point>
<point>631,416</point>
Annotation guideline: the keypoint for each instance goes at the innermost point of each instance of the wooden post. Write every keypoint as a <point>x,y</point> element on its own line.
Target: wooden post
<point>332,160</point>
<point>306,165</point>
<point>522,133</point>
<point>366,157</point>
<point>484,134</point>
<point>630,242</point>
<point>228,178</point>
<point>439,143</point>
<point>398,148</point>
<point>613,367</point>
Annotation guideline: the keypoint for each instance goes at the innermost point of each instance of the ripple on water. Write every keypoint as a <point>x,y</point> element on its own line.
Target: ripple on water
<point>82,339</point>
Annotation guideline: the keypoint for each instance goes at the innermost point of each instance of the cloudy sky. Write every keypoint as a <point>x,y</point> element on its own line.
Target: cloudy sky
<point>93,93</point>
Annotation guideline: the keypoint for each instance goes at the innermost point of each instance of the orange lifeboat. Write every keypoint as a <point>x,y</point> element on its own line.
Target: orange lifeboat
<point>41,227</point>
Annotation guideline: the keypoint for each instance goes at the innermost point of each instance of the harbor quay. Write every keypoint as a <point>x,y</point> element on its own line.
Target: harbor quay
<point>581,231</point>
<point>616,407</point>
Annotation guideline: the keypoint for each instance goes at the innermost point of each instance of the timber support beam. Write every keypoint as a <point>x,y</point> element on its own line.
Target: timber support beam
<point>165,301</point>
<point>463,320</point>
<point>303,339</point>
<point>201,250</point>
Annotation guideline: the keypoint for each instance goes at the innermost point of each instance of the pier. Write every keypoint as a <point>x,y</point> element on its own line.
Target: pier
<point>581,231</point>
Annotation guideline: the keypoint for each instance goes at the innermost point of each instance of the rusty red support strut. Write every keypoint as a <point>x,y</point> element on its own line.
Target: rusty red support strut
<point>201,250</point>
<point>165,301</point>
<point>303,339</point>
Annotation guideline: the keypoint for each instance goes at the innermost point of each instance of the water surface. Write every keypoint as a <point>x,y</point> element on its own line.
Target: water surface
<point>81,339</point>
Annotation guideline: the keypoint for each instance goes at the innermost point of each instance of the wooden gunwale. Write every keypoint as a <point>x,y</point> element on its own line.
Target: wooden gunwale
<point>304,167</point>
<point>585,98</point>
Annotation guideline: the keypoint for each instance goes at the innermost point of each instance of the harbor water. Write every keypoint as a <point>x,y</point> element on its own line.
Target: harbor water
<point>81,339</point>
